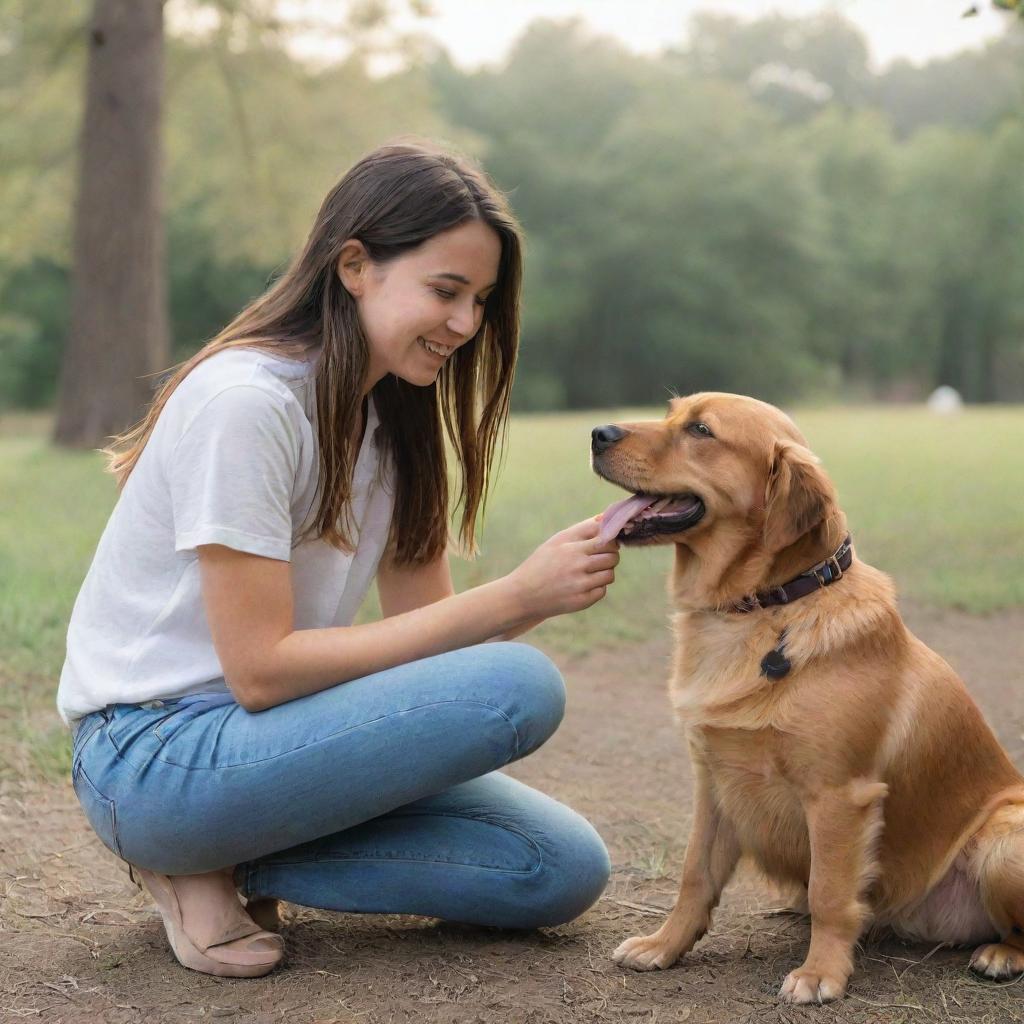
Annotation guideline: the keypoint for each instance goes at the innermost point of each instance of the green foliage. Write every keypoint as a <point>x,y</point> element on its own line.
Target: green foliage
<point>670,233</point>
<point>254,140</point>
<point>758,212</point>
<point>964,293</point>
<point>794,65</point>
<point>33,321</point>
<point>41,98</point>
<point>971,90</point>
<point>855,322</point>
<point>689,232</point>
<point>206,291</point>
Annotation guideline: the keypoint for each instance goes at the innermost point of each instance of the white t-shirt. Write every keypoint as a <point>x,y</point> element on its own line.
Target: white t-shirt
<point>232,460</point>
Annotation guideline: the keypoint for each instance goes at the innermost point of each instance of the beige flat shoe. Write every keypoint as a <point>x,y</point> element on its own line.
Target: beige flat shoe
<point>240,949</point>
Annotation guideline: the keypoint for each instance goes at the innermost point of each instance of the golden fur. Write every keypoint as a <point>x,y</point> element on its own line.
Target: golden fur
<point>867,774</point>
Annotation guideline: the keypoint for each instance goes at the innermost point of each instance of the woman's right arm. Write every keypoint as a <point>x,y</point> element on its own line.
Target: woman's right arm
<point>250,610</point>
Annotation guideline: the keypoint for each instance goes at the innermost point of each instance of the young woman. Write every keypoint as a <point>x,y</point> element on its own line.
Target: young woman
<point>232,728</point>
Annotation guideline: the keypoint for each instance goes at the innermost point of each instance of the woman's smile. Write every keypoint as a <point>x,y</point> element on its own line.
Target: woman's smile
<point>440,351</point>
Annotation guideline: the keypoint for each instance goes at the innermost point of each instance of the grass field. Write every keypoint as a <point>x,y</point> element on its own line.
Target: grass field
<point>933,501</point>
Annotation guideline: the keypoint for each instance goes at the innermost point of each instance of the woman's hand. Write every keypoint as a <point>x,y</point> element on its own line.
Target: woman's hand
<point>567,573</point>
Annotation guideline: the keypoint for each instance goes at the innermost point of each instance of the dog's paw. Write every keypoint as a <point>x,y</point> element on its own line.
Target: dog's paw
<point>808,985</point>
<point>646,953</point>
<point>997,960</point>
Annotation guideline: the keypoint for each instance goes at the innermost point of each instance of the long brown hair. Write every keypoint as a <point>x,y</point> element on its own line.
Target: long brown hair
<point>393,200</point>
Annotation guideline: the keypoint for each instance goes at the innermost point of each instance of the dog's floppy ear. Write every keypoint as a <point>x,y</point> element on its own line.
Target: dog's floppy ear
<point>798,495</point>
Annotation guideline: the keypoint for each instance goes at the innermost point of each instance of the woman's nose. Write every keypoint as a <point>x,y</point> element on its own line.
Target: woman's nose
<point>464,320</point>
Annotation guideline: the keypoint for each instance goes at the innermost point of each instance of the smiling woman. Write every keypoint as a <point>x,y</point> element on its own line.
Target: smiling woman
<point>410,308</point>
<point>232,726</point>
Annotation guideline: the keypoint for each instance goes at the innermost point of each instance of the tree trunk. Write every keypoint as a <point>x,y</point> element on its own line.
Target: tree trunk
<point>118,331</point>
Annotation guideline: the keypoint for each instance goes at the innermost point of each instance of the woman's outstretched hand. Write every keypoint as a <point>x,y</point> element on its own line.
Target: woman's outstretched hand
<point>567,573</point>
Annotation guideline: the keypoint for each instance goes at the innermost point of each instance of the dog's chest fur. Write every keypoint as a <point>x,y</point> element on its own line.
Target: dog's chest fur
<point>752,788</point>
<point>717,677</point>
<point>731,713</point>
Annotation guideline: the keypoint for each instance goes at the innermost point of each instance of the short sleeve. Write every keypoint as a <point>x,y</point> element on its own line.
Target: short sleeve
<point>232,473</point>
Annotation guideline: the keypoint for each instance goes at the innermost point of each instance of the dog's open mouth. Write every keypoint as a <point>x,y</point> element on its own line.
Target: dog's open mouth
<point>646,515</point>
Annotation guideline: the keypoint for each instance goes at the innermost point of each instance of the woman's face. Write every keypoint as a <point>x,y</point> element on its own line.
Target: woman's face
<point>416,310</point>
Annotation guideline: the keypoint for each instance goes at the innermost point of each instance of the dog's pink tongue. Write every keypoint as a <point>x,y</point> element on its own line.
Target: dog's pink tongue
<point>617,515</point>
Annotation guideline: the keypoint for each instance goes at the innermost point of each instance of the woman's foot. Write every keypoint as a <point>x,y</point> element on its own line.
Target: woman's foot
<point>208,927</point>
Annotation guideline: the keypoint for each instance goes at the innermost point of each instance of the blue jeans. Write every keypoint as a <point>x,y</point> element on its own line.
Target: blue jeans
<point>377,795</point>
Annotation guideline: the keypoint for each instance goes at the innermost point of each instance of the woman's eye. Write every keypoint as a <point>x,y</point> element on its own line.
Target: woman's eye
<point>444,294</point>
<point>700,430</point>
<point>481,303</point>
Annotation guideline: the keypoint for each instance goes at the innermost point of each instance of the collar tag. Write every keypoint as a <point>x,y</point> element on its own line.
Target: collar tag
<point>775,664</point>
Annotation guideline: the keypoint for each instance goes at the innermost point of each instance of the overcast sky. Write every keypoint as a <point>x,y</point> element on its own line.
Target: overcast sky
<point>479,32</point>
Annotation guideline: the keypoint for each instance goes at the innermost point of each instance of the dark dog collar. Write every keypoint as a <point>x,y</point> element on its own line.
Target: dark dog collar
<point>815,578</point>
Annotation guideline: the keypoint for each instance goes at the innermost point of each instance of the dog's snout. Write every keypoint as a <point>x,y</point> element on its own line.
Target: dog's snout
<point>602,438</point>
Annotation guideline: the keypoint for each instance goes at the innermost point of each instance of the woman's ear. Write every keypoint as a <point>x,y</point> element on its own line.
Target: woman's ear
<point>798,496</point>
<point>353,265</point>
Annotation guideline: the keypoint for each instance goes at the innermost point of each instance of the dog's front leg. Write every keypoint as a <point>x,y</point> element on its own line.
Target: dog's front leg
<point>711,856</point>
<point>843,824</point>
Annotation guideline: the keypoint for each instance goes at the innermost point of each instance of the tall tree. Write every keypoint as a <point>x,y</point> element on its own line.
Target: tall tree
<point>119,336</point>
<point>118,332</point>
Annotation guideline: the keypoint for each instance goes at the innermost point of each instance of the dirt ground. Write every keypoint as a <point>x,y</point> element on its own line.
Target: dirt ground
<point>78,942</point>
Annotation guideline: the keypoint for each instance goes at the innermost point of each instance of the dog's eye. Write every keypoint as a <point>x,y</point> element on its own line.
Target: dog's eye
<point>699,430</point>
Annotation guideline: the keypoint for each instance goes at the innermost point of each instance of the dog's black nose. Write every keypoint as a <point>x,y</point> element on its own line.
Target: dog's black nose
<point>602,438</point>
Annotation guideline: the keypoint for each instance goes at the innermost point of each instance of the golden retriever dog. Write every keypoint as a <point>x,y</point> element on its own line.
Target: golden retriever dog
<point>827,742</point>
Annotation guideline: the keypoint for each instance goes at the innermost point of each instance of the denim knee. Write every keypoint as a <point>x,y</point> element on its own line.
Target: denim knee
<point>534,690</point>
<point>573,873</point>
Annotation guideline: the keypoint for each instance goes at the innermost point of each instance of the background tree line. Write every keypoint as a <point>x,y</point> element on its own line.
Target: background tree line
<point>757,211</point>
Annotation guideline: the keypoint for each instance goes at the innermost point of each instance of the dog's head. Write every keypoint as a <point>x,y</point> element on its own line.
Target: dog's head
<point>728,477</point>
